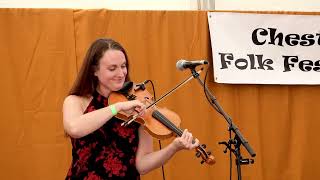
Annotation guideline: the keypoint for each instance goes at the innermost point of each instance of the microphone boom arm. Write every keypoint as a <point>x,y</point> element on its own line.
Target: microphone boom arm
<point>174,89</point>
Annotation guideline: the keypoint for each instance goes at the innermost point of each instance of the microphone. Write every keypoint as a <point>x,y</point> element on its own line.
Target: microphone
<point>184,64</point>
<point>141,85</point>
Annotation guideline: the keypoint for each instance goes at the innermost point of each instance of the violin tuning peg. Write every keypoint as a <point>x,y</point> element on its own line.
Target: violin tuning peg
<point>209,152</point>
<point>198,154</point>
<point>203,146</point>
<point>202,162</point>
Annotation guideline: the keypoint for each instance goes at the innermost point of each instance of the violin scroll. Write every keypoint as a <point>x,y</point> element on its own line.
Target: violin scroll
<point>205,155</point>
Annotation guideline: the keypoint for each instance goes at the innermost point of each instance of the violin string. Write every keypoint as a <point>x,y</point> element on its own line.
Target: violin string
<point>160,117</point>
<point>178,131</point>
<point>165,121</point>
<point>170,125</point>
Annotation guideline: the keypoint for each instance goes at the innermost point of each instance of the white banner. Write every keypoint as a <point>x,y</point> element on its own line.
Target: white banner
<point>265,48</point>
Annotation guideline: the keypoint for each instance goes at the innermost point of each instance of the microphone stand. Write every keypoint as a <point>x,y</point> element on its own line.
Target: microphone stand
<point>238,139</point>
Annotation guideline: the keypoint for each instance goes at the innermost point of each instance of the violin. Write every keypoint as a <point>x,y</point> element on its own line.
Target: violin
<point>160,123</point>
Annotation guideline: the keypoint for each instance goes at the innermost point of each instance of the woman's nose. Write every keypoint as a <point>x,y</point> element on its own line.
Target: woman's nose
<point>121,72</point>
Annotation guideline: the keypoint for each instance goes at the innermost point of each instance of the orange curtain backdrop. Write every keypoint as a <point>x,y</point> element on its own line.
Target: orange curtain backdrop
<point>42,50</point>
<point>37,68</point>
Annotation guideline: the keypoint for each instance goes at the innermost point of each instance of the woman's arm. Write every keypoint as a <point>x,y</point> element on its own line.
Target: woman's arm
<point>77,124</point>
<point>147,160</point>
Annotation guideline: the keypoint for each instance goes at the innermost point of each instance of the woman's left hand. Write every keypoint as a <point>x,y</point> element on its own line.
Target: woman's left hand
<point>186,141</point>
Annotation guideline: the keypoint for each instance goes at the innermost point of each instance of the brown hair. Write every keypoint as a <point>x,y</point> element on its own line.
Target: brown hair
<point>86,82</point>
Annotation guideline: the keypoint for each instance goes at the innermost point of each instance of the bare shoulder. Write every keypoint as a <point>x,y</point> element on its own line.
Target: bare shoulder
<point>74,101</point>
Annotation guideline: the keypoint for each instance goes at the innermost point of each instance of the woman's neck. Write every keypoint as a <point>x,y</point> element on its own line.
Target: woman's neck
<point>103,91</point>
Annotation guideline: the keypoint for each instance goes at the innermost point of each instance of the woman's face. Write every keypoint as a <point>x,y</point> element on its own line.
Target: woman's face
<point>112,71</point>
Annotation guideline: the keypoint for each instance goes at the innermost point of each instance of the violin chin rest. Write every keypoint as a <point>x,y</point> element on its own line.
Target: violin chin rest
<point>126,87</point>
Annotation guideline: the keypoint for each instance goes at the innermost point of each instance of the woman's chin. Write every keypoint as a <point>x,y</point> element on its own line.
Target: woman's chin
<point>117,87</point>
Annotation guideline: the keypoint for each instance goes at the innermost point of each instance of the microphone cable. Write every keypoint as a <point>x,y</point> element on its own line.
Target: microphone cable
<point>212,104</point>
<point>159,141</point>
<point>206,93</point>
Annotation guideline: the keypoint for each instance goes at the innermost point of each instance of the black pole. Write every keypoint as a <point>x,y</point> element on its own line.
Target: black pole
<point>238,157</point>
<point>233,127</point>
<point>238,139</point>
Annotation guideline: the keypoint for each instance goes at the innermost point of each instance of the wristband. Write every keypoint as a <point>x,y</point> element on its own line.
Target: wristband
<point>113,109</point>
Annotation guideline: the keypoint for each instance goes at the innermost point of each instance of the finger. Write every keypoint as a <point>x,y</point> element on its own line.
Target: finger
<point>190,138</point>
<point>189,141</point>
<point>135,103</point>
<point>196,143</point>
<point>187,137</point>
<point>130,111</point>
<point>184,134</point>
<point>141,113</point>
<point>140,108</point>
<point>137,109</point>
<point>139,103</point>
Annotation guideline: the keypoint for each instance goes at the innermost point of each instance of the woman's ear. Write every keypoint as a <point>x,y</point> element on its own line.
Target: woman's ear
<point>95,70</point>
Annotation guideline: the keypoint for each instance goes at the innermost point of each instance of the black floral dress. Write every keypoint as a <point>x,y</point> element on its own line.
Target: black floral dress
<point>107,153</point>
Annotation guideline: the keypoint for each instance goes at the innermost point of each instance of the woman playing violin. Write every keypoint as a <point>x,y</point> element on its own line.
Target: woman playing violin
<point>101,147</point>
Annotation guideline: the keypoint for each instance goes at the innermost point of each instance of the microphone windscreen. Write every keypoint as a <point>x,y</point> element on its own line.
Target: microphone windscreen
<point>179,64</point>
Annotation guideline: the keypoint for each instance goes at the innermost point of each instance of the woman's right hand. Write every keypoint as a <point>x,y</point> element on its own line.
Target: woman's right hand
<point>129,107</point>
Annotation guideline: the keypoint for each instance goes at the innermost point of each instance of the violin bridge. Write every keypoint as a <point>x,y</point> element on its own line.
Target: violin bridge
<point>131,97</point>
